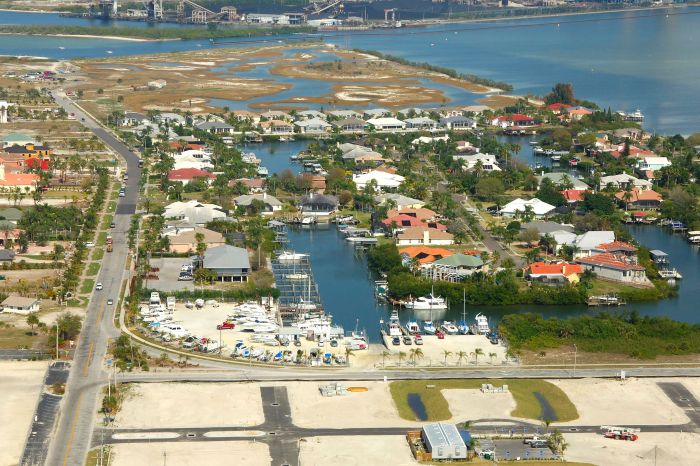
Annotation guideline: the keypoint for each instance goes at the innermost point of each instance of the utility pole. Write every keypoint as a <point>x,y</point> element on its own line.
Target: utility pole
<point>575,354</point>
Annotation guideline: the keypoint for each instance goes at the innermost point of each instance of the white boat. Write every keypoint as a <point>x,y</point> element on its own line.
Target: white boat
<point>427,302</point>
<point>289,256</point>
<point>482,324</point>
<point>449,328</point>
<point>429,327</point>
<point>296,276</point>
<point>263,171</point>
<point>670,273</point>
<point>394,325</point>
<point>412,327</point>
<point>308,220</point>
<point>305,305</point>
<point>250,158</point>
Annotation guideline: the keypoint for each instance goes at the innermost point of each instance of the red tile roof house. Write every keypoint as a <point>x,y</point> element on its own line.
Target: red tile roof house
<point>617,247</point>
<point>616,268</point>
<point>517,119</point>
<point>403,221</point>
<point>558,108</point>
<point>421,214</point>
<point>557,274</point>
<point>573,195</point>
<point>640,200</point>
<point>186,175</point>
<point>254,185</point>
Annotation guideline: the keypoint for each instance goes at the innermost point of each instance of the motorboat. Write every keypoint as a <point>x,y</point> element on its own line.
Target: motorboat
<point>463,327</point>
<point>263,171</point>
<point>305,305</point>
<point>482,324</point>
<point>290,256</point>
<point>297,276</point>
<point>427,302</point>
<point>412,327</point>
<point>308,220</point>
<point>449,328</point>
<point>394,325</point>
<point>428,327</point>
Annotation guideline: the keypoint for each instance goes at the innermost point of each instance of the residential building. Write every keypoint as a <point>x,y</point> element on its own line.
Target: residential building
<point>25,182</point>
<point>457,122</point>
<point>399,201</point>
<point>345,114</point>
<point>425,236</point>
<point>276,127</point>
<point>421,123</point>
<point>276,115</point>
<point>350,124</point>
<point>539,209</point>
<point>171,118</point>
<point>558,273</point>
<point>546,227</point>
<point>132,119</point>
<point>616,268</point>
<point>587,243</point>
<point>230,263</point>
<point>421,213</point>
<point>271,203</point>
<point>454,268</point>
<point>29,150</point>
<point>422,254</point>
<point>402,221</point>
<point>318,205</point>
<point>20,305</point>
<point>254,185</point>
<point>6,255</point>
<point>215,127</point>
<point>577,113</point>
<point>246,115</point>
<point>618,247</point>
<point>640,200</point>
<point>311,114</point>
<point>11,215</point>
<point>187,175</point>
<point>483,162</point>
<point>573,196</point>
<point>652,164</point>
<point>564,180</point>
<point>387,124</point>
<point>186,241</point>
<point>624,181</point>
<point>15,138</point>
<point>194,212</point>
<point>313,125</point>
<point>383,179</point>
<point>376,113</point>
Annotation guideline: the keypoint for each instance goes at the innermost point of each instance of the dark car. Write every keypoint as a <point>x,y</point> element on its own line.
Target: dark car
<point>112,225</point>
<point>396,341</point>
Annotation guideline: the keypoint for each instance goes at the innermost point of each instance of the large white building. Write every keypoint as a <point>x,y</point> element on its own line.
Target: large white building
<point>519,206</point>
<point>383,179</point>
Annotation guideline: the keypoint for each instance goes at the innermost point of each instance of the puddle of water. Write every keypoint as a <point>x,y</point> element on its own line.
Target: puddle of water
<point>416,404</point>
<point>547,412</point>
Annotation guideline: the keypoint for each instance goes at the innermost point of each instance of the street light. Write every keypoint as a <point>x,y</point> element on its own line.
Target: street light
<point>575,354</point>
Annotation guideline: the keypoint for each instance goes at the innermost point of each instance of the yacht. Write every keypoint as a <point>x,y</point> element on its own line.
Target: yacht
<point>305,305</point>
<point>428,327</point>
<point>449,328</point>
<point>427,302</point>
<point>412,327</point>
<point>290,256</point>
<point>308,220</point>
<point>394,325</point>
<point>263,171</point>
<point>482,324</point>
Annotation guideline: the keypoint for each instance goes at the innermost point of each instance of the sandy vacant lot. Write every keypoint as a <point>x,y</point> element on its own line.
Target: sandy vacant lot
<point>360,451</point>
<point>473,404</point>
<point>191,405</point>
<point>192,454</point>
<point>20,383</point>
<point>672,449</point>
<point>373,408</point>
<point>632,401</point>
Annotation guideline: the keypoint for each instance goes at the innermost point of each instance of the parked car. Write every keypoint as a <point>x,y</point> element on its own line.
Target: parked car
<point>112,225</point>
<point>440,335</point>
<point>226,326</point>
<point>407,340</point>
<point>189,342</point>
<point>98,286</point>
<point>418,339</point>
<point>90,244</point>
<point>122,193</point>
<point>185,278</point>
<point>396,341</point>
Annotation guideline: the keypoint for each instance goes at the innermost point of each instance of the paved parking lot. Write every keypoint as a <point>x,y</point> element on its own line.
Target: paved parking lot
<point>168,274</point>
<point>516,449</point>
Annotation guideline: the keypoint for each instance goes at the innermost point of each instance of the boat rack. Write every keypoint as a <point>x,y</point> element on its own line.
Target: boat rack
<point>298,289</point>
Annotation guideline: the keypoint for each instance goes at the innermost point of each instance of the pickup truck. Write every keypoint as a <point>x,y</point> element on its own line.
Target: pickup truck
<point>226,326</point>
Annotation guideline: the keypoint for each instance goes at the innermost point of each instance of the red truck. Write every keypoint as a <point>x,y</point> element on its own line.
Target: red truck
<point>226,326</point>
<point>620,433</point>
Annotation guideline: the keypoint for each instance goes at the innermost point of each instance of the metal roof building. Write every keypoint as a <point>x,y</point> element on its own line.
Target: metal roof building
<point>443,441</point>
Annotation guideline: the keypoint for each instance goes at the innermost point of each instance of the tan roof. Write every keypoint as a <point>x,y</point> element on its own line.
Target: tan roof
<point>19,301</point>
<point>189,237</point>
<point>417,233</point>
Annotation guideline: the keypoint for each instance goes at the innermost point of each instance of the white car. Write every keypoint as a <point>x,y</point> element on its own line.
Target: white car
<point>90,244</point>
<point>98,286</point>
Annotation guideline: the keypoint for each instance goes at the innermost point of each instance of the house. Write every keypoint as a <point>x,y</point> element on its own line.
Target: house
<point>615,267</point>
<point>546,227</point>
<point>624,181</point>
<point>516,119</point>
<point>476,109</point>
<point>20,305</point>
<point>194,212</point>
<point>484,162</point>
<point>577,113</point>
<point>617,247</point>
<point>271,203</point>
<point>386,124</point>
<point>350,124</point>
<point>558,107</point>
<point>186,241</point>
<point>564,180</point>
<point>187,175</point>
<point>29,150</point>
<point>421,123</point>
<point>245,115</point>
<point>587,243</point>
<point>318,205</point>
<point>383,179</point>
<point>254,185</point>
<point>342,114</point>
<point>652,164</point>
<point>359,153</point>
<point>573,196</point>
<point>430,139</point>
<point>171,118</point>
<point>132,119</point>
<point>313,125</point>
<point>559,273</point>
<point>426,236</point>
<point>11,214</point>
<point>376,113</point>
<point>539,209</point>
<point>457,122</point>
<point>276,127</point>
<point>454,268</point>
<point>311,114</point>
<point>628,133</point>
<point>399,201</point>
<point>422,254</point>
<point>229,263</point>
<point>403,221</point>
<point>16,139</point>
<point>421,213</point>
<point>215,127</point>
<point>25,182</point>
<point>640,200</point>
<point>276,115</point>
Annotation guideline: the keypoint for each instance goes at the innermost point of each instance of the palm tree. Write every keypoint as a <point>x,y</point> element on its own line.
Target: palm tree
<point>385,354</point>
<point>492,356</point>
<point>349,352</point>
<point>402,356</point>
<point>461,355</point>
<point>477,352</point>
<point>446,353</point>
<point>416,353</point>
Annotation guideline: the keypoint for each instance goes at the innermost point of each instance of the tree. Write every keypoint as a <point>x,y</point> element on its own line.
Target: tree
<point>477,352</point>
<point>492,356</point>
<point>33,320</point>
<point>549,193</point>
<point>446,354</point>
<point>489,187</point>
<point>460,356</point>
<point>385,354</point>
<point>402,356</point>
<point>562,138</point>
<point>561,93</point>
<point>598,203</point>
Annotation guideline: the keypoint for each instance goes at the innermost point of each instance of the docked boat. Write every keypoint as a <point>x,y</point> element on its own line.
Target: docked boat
<point>297,276</point>
<point>670,273</point>
<point>635,116</point>
<point>482,324</point>
<point>263,171</point>
<point>305,305</point>
<point>308,220</point>
<point>449,328</point>
<point>427,302</point>
<point>290,256</point>
<point>463,327</point>
<point>250,158</point>
<point>428,327</point>
<point>394,325</point>
<point>412,327</point>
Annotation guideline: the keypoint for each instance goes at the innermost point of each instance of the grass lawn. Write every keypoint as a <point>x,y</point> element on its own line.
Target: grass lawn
<point>106,221</point>
<point>522,390</point>
<point>605,287</point>
<point>38,257</point>
<point>87,286</point>
<point>13,338</point>
<point>93,268</point>
<point>112,206</point>
<point>98,254</point>
<point>101,239</point>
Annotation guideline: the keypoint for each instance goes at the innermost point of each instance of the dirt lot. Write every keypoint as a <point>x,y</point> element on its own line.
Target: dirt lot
<point>192,454</point>
<point>614,402</point>
<point>21,384</point>
<point>180,405</point>
<point>356,451</point>
<point>473,404</point>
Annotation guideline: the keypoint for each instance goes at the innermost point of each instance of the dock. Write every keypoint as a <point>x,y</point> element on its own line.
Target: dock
<point>605,300</point>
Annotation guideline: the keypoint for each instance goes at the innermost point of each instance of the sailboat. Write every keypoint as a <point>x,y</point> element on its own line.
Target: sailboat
<point>462,324</point>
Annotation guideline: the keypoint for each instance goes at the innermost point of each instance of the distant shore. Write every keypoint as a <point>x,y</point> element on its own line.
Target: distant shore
<point>84,36</point>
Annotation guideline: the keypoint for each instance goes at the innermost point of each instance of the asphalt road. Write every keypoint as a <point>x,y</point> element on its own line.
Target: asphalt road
<point>71,441</point>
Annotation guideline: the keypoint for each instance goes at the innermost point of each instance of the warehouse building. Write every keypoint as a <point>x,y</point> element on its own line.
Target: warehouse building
<point>443,441</point>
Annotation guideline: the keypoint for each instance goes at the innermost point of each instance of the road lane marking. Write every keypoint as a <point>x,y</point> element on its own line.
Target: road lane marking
<point>72,430</point>
<point>89,358</point>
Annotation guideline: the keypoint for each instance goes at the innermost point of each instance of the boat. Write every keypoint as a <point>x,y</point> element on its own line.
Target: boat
<point>482,324</point>
<point>428,327</point>
<point>293,158</point>
<point>290,256</point>
<point>394,325</point>
<point>670,273</point>
<point>305,305</point>
<point>263,171</point>
<point>199,303</point>
<point>412,327</point>
<point>534,143</point>
<point>462,326</point>
<point>278,356</point>
<point>297,276</point>
<point>250,158</point>
<point>635,116</point>
<point>449,328</point>
<point>427,302</point>
<point>308,220</point>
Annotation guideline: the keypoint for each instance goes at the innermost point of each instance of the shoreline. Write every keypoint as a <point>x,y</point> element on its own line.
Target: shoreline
<point>88,36</point>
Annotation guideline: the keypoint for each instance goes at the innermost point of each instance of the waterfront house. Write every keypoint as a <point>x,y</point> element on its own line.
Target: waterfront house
<point>574,196</point>
<point>539,209</point>
<point>624,181</point>
<point>382,179</point>
<point>185,242</point>
<point>318,205</point>
<point>254,185</point>
<point>398,201</point>
<point>516,120</point>
<point>194,212</point>
<point>564,180</point>
<point>546,227</point>
<point>483,162</point>
<point>454,268</point>
<point>621,134</point>
<point>557,274</point>
<point>587,243</point>
<point>447,112</point>
<point>639,200</point>
<point>422,255</point>
<point>246,115</point>
<point>386,124</point>
<point>187,175</point>
<point>617,248</point>
<point>558,107</point>
<point>229,263</point>
<point>421,123</point>
<point>646,166</point>
<point>430,139</point>
<point>425,236</point>
<point>476,109</point>
<point>577,113</point>
<point>313,125</point>
<point>215,127</point>
<point>270,203</point>
<point>342,114</point>
<point>457,122</point>
<point>353,124</point>
<point>20,305</point>
<point>276,115</point>
<point>421,213</point>
<point>276,127</point>
<point>311,114</point>
<point>401,222</point>
<point>376,113</point>
<point>614,267</point>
